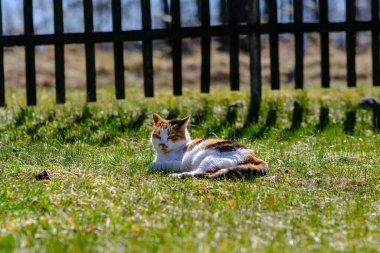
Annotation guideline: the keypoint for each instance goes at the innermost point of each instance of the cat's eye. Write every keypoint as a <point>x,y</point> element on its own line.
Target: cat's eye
<point>157,136</point>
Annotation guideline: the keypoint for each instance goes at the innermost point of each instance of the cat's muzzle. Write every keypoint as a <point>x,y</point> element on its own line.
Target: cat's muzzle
<point>163,147</point>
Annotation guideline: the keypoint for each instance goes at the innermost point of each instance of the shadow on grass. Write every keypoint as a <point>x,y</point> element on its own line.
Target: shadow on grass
<point>232,176</point>
<point>374,105</point>
<point>324,119</point>
<point>228,121</point>
<point>88,125</point>
<point>92,125</point>
<point>254,131</point>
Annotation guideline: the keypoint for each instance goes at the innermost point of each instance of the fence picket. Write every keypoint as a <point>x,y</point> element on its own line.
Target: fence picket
<point>206,47</point>
<point>299,44</point>
<point>89,51</point>
<point>147,50</point>
<point>2,81</point>
<point>234,45</point>
<point>273,44</point>
<point>351,45</point>
<point>118,51</point>
<point>59,52</point>
<point>175,11</point>
<point>255,62</point>
<point>325,48</point>
<point>30,55</point>
<point>375,45</point>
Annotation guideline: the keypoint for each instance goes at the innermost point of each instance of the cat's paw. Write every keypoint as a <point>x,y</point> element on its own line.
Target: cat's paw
<point>176,175</point>
<point>167,165</point>
<point>155,165</point>
<point>182,175</point>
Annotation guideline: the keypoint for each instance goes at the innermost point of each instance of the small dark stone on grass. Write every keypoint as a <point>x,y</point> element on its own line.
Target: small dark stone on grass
<point>42,176</point>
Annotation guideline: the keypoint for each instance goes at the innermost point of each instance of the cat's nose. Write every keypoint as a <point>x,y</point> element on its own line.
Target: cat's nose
<point>162,146</point>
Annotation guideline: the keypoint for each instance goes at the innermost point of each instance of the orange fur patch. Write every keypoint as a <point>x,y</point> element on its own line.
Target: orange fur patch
<point>193,143</point>
<point>209,142</point>
<point>251,159</point>
<point>221,145</point>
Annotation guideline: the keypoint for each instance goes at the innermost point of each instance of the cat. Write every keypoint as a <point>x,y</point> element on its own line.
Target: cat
<point>175,150</point>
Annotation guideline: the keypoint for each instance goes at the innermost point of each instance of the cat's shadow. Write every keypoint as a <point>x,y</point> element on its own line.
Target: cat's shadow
<point>228,177</point>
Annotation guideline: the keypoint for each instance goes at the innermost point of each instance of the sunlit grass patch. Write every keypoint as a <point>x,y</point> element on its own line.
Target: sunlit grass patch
<point>321,194</point>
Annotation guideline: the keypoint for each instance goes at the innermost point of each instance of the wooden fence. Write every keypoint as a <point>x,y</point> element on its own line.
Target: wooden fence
<point>175,33</point>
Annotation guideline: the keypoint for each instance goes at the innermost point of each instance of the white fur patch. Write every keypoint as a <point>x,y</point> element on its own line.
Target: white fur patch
<point>201,160</point>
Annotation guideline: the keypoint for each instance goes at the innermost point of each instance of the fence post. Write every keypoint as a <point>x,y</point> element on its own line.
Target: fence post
<point>273,41</point>
<point>206,47</point>
<point>299,43</point>
<point>254,62</point>
<point>89,51</point>
<point>175,12</point>
<point>375,45</point>
<point>351,44</point>
<point>59,52</point>
<point>234,44</point>
<point>147,49</point>
<point>2,84</point>
<point>325,49</point>
<point>118,51</point>
<point>30,55</point>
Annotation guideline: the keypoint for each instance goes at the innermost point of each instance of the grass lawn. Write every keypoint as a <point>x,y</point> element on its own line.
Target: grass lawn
<point>321,194</point>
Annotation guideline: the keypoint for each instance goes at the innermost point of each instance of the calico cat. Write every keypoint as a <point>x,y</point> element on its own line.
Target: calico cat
<point>212,158</point>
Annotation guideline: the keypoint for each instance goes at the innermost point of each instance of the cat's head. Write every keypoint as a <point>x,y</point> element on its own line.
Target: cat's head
<point>169,135</point>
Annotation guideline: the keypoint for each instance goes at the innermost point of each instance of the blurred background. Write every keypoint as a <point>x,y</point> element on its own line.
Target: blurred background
<point>73,14</point>
<point>131,14</point>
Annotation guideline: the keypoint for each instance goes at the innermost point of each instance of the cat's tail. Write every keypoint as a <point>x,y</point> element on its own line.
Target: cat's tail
<point>251,166</point>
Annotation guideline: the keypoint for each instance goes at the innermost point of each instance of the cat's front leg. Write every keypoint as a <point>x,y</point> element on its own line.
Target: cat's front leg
<point>167,165</point>
<point>187,174</point>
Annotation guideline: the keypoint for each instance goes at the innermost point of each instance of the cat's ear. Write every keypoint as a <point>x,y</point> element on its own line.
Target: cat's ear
<point>156,118</point>
<point>183,122</point>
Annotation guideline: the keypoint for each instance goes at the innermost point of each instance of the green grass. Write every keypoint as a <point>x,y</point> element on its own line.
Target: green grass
<point>321,194</point>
